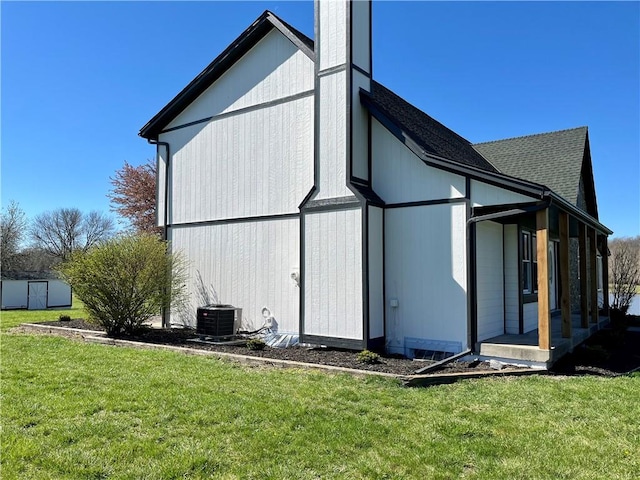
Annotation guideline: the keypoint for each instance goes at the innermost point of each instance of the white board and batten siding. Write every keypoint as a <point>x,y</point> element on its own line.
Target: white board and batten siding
<point>332,137</point>
<point>263,155</point>
<point>489,280</point>
<point>253,158</point>
<point>511,280</point>
<point>376,272</point>
<point>247,265</point>
<point>426,274</point>
<point>333,274</point>
<point>272,70</point>
<point>332,33</point>
<point>400,176</point>
<point>483,194</point>
<point>252,164</point>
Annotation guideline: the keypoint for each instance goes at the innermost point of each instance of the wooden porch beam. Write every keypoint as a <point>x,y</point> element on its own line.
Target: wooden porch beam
<point>593,277</point>
<point>565,289</point>
<point>542,250</point>
<point>584,295</point>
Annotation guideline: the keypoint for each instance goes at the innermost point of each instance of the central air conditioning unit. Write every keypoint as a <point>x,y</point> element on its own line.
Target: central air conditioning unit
<point>218,321</point>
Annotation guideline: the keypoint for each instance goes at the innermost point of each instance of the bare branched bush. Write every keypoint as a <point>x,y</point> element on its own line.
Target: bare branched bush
<point>624,271</point>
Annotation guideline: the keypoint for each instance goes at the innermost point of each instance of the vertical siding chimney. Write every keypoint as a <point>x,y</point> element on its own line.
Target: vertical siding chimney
<point>343,67</point>
<point>334,219</point>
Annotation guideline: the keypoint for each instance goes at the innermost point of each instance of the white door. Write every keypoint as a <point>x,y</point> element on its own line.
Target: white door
<point>37,296</point>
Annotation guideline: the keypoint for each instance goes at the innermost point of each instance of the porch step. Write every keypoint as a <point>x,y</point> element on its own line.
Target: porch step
<point>527,353</point>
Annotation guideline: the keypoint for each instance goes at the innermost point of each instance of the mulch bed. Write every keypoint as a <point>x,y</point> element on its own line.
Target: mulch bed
<point>610,352</point>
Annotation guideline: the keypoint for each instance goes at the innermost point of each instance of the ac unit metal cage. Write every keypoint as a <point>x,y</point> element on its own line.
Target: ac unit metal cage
<point>218,321</point>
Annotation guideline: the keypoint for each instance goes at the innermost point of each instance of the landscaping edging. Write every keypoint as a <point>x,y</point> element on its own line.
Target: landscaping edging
<point>98,337</point>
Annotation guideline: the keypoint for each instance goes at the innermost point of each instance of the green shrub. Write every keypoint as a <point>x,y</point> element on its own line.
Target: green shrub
<point>64,318</point>
<point>125,281</point>
<point>256,344</point>
<point>368,357</point>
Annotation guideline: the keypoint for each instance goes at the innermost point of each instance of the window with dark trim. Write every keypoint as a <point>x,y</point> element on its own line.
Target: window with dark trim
<point>529,262</point>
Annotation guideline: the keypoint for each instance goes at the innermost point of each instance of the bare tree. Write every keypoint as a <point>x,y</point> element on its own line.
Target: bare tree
<point>13,226</point>
<point>134,196</point>
<point>66,230</point>
<point>624,271</point>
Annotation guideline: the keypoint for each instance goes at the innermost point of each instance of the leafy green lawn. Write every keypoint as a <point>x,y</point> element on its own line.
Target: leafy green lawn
<point>74,410</point>
<point>13,318</point>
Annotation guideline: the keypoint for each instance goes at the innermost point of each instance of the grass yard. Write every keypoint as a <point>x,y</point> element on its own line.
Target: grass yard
<point>74,410</point>
<point>13,318</point>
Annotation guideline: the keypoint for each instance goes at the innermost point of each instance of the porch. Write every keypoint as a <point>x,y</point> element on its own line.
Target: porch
<point>525,347</point>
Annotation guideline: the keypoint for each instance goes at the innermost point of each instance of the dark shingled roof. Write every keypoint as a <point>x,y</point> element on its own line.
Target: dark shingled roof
<point>428,133</point>
<point>552,159</point>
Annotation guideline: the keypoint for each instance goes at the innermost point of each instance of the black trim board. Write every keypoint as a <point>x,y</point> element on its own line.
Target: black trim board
<point>225,221</point>
<point>423,203</point>
<point>336,342</point>
<point>240,111</point>
<point>331,70</point>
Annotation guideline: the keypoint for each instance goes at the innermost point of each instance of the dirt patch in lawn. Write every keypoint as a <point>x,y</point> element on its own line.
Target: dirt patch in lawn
<point>610,352</point>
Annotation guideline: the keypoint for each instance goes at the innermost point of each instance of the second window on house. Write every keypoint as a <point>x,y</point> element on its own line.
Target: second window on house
<point>529,263</point>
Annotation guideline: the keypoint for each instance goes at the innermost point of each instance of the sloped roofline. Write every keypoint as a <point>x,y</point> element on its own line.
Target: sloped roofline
<point>532,135</point>
<point>239,47</point>
<point>495,178</point>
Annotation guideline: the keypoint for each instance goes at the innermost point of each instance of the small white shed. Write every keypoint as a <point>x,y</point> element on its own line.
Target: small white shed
<point>34,294</point>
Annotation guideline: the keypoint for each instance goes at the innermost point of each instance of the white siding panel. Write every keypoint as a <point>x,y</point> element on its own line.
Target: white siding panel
<point>530,315</point>
<point>400,176</point>
<point>333,33</point>
<point>511,281</point>
<point>425,271</point>
<point>333,274</point>
<point>247,265</point>
<point>332,147</point>
<point>360,128</point>
<point>58,294</point>
<point>274,69</point>
<point>376,273</point>
<point>160,185</point>
<point>483,194</point>
<point>14,294</point>
<point>251,164</point>
<point>490,280</point>
<point>360,34</point>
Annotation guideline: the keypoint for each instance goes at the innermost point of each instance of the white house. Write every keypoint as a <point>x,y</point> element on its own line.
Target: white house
<point>292,180</point>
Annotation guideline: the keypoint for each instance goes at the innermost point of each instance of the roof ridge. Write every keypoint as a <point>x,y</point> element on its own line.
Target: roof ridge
<point>531,135</point>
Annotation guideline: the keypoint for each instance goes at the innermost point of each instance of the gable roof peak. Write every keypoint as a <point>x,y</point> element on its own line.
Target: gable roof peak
<point>258,29</point>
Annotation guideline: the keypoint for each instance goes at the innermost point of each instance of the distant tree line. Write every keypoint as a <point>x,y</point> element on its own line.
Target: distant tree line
<point>49,238</point>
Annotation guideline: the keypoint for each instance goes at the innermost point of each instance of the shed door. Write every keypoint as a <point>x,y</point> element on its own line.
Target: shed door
<point>37,295</point>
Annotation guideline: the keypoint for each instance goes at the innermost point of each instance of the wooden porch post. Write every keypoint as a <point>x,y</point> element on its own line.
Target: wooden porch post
<point>593,303</point>
<point>584,295</point>
<point>565,297</point>
<point>542,250</point>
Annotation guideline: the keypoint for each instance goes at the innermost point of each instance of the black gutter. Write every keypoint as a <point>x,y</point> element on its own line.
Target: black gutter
<point>165,222</point>
<point>165,236</point>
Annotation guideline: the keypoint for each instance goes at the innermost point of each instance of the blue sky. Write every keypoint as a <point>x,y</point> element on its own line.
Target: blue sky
<point>79,79</point>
